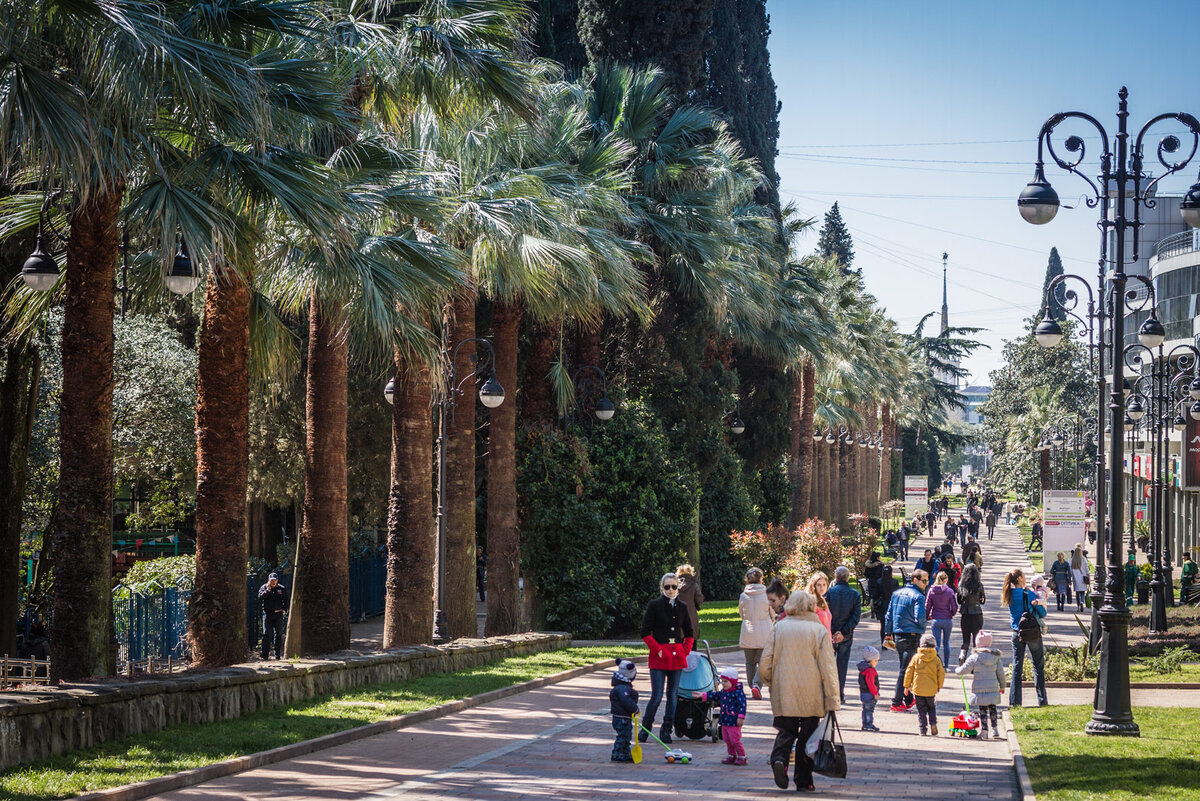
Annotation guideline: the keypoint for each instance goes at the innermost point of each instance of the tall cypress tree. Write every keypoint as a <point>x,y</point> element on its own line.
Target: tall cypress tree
<point>1054,267</point>
<point>671,34</point>
<point>835,239</point>
<point>761,136</point>
<point>557,36</point>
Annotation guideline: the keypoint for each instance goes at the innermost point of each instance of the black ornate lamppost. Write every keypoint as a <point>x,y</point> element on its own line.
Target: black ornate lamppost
<point>1163,393</point>
<point>1121,174</point>
<point>491,395</point>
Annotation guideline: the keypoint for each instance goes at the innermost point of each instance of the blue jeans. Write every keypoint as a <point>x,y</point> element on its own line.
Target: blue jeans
<point>842,651</point>
<point>942,629</point>
<point>624,739</point>
<point>868,709</point>
<point>1038,654</point>
<point>656,695</point>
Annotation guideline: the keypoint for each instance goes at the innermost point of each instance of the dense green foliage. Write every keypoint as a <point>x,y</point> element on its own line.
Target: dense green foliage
<point>605,512</point>
<point>725,506</point>
<point>670,34</point>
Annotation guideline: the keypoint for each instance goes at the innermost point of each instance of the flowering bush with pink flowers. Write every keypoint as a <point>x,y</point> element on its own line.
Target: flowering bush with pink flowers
<point>793,556</point>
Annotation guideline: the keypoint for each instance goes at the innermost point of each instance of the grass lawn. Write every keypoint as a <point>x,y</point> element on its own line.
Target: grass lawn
<point>1026,538</point>
<point>1067,765</point>
<point>1189,674</point>
<point>720,623</point>
<point>184,747</point>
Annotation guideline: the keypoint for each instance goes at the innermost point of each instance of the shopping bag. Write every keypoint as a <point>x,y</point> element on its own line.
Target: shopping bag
<point>814,741</point>
<point>830,759</point>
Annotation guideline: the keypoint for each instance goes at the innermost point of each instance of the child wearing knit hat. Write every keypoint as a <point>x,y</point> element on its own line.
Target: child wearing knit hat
<point>732,699</point>
<point>868,686</point>
<point>924,676</point>
<point>623,702</point>
<point>987,682</point>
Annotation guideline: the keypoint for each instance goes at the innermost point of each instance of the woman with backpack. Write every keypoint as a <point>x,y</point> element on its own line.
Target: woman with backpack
<point>1025,610</point>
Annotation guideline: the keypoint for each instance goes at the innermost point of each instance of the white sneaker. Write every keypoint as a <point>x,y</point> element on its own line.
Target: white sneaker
<point>983,735</point>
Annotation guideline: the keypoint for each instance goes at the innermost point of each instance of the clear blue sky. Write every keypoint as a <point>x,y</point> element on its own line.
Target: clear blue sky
<point>869,87</point>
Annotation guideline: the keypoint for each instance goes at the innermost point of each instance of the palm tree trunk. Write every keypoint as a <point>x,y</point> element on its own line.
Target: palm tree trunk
<point>83,526</point>
<point>503,536</point>
<point>1043,471</point>
<point>537,396</point>
<point>816,487</point>
<point>326,587</point>
<point>411,540</point>
<point>885,454</point>
<point>853,474</point>
<point>18,405</point>
<point>217,625</point>
<point>459,594</point>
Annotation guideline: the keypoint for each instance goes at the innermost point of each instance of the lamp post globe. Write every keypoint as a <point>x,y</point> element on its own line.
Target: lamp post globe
<point>1152,333</point>
<point>817,437</point>
<point>389,391</point>
<point>183,277</point>
<point>1134,409</point>
<point>491,394</point>
<point>1038,202</point>
<point>737,426</point>
<point>605,408</point>
<point>1179,423</point>
<point>1189,207</point>
<point>40,271</point>
<point>1194,389</point>
<point>1048,332</point>
<point>1194,411</point>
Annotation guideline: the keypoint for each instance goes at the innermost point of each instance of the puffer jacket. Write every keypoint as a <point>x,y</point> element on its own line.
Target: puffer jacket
<point>756,617</point>
<point>987,676</point>
<point>906,612</point>
<point>622,698</point>
<point>940,603</point>
<point>799,666</point>
<point>925,673</point>
<point>732,703</point>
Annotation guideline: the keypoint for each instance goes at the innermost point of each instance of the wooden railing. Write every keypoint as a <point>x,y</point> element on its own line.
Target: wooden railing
<point>23,671</point>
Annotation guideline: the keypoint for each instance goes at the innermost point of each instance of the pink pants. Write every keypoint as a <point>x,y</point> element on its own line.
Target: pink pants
<point>732,735</point>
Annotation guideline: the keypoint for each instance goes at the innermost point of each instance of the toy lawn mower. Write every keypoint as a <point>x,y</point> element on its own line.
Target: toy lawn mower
<point>966,723</point>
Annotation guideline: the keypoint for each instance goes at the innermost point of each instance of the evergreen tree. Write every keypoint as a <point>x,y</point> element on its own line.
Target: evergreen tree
<point>761,136</point>
<point>670,34</point>
<point>557,36</point>
<point>1054,267</point>
<point>835,239</point>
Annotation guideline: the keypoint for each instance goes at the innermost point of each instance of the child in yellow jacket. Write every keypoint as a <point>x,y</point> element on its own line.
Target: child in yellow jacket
<point>924,678</point>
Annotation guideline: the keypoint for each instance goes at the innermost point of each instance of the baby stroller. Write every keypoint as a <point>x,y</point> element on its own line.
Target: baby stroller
<point>694,718</point>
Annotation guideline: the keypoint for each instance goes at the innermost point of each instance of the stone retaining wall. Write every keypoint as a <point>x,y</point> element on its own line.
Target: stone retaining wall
<point>39,723</point>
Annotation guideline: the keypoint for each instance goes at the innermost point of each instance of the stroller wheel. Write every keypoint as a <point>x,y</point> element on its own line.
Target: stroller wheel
<point>716,733</point>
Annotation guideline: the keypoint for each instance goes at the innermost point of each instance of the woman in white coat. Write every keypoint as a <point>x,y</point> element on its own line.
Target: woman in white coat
<point>799,666</point>
<point>1080,574</point>
<point>755,612</point>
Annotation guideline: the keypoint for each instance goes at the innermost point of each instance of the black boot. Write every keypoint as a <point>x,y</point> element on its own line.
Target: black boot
<point>664,734</point>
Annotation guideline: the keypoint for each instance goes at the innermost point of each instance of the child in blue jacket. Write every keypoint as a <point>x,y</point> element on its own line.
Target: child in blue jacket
<point>623,702</point>
<point>732,699</point>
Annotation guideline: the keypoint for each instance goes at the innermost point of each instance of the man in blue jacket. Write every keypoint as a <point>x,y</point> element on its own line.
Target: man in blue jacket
<point>903,626</point>
<point>845,608</point>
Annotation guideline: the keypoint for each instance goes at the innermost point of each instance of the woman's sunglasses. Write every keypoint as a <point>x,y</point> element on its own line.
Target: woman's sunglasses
<point>670,586</point>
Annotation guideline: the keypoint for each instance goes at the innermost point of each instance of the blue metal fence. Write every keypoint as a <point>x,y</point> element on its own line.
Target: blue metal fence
<point>151,623</point>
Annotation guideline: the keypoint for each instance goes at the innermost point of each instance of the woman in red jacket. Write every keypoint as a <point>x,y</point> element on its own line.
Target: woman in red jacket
<point>667,632</point>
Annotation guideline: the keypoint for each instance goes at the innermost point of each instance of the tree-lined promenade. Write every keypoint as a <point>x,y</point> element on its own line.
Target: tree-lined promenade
<point>358,188</point>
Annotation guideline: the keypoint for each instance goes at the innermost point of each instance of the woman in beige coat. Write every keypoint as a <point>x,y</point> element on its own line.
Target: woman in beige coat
<point>799,667</point>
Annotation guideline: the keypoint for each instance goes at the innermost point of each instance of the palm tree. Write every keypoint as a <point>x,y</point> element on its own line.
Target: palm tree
<point>84,96</point>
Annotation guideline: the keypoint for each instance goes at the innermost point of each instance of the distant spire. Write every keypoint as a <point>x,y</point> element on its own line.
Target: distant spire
<point>945,307</point>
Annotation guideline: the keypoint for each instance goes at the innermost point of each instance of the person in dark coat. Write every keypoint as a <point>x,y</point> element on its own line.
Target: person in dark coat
<point>272,599</point>
<point>667,632</point>
<point>623,703</point>
<point>845,609</point>
<point>690,595</point>
<point>883,596</point>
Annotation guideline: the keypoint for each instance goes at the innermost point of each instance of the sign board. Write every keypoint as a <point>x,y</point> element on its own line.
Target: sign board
<point>1191,454</point>
<point>916,495</point>
<point>1064,523</point>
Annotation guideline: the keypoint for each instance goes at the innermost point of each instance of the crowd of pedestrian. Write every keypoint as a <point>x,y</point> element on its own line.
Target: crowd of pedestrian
<point>798,644</point>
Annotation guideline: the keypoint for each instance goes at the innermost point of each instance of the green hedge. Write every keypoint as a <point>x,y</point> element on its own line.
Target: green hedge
<point>605,512</point>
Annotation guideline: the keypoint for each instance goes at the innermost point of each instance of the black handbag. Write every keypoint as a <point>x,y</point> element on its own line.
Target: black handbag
<point>830,759</point>
<point>1028,628</point>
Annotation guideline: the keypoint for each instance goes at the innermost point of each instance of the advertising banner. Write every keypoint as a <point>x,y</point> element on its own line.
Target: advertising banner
<point>916,495</point>
<point>1191,454</point>
<point>1064,522</point>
